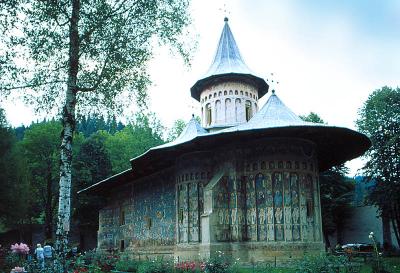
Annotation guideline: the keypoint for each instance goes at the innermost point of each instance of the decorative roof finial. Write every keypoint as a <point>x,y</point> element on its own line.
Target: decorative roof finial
<point>273,83</point>
<point>192,115</point>
<point>226,19</point>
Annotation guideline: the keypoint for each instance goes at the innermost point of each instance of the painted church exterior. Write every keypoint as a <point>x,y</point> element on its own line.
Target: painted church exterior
<point>244,182</point>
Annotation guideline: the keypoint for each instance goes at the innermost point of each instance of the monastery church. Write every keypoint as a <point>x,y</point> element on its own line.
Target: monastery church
<point>244,181</point>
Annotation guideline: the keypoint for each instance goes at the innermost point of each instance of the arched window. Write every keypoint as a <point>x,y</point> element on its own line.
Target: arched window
<point>210,96</point>
<point>241,93</point>
<point>225,93</point>
<point>236,92</point>
<point>215,94</point>
<point>249,112</point>
<point>228,108</point>
<point>219,94</point>
<point>217,110</point>
<point>247,94</point>
<point>208,114</point>
<point>230,92</point>
<point>238,104</point>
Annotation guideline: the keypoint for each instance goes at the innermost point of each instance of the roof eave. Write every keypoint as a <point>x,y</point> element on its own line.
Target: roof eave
<point>202,84</point>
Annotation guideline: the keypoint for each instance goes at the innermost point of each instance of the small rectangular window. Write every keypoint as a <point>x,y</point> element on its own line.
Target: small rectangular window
<point>122,246</point>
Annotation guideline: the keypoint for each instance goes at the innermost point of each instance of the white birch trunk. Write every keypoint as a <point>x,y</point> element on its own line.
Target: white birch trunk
<point>68,119</point>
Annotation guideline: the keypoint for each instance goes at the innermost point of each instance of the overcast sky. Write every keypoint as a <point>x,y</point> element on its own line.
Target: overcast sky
<point>327,55</point>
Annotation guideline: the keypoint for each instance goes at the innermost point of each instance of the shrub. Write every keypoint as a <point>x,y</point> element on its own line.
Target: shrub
<point>325,264</point>
<point>155,266</point>
<point>219,263</point>
<point>127,265</point>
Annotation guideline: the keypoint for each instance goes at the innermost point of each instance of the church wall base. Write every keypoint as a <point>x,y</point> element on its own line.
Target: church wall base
<point>250,252</point>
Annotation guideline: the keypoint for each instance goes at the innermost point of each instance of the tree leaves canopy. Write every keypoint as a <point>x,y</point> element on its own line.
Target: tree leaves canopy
<point>116,40</point>
<point>379,118</point>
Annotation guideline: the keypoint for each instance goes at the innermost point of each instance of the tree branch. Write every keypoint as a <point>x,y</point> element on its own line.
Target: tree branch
<point>29,85</point>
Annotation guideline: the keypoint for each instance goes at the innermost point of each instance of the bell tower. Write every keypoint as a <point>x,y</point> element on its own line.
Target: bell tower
<point>229,91</point>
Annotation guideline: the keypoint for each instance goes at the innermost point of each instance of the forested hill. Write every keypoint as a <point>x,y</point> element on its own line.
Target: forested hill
<point>29,164</point>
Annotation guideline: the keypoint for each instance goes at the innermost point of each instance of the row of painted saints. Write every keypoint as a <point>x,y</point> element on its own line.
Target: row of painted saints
<point>270,207</point>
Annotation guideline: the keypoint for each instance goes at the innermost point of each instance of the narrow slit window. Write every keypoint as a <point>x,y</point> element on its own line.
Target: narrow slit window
<point>208,114</point>
<point>249,112</point>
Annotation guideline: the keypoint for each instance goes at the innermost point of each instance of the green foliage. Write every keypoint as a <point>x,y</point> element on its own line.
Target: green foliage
<point>80,56</point>
<point>41,149</point>
<point>336,191</point>
<point>220,263</point>
<point>312,117</point>
<point>143,133</point>
<point>155,266</point>
<point>379,118</point>
<point>91,124</point>
<point>114,45</point>
<point>127,265</point>
<point>176,129</point>
<point>15,189</point>
<point>91,165</point>
<point>326,264</point>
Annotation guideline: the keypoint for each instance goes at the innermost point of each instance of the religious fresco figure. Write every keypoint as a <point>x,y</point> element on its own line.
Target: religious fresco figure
<point>240,217</point>
<point>303,215</point>
<point>287,197</point>
<point>253,214</point>
<point>261,216</point>
<point>234,233</point>
<point>304,232</point>
<point>270,215</point>
<point>279,232</point>
<point>288,232</point>
<point>295,215</point>
<point>260,197</point>
<point>288,215</point>
<point>295,198</point>
<point>270,233</point>
<point>262,233</point>
<point>233,216</point>
<point>278,198</point>
<point>278,215</point>
<point>232,199</point>
<point>226,216</point>
<point>221,216</point>
<point>296,232</point>
<point>248,217</point>
<point>269,198</point>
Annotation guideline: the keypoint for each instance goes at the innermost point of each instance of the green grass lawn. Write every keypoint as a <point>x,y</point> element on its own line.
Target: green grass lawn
<point>392,264</point>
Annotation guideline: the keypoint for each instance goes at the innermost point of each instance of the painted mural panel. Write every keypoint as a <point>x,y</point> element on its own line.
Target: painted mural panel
<point>251,210</point>
<point>222,207</point>
<point>143,215</point>
<point>294,188</point>
<point>261,189</point>
<point>278,205</point>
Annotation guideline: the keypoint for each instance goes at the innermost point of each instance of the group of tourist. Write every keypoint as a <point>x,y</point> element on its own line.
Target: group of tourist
<point>44,255</point>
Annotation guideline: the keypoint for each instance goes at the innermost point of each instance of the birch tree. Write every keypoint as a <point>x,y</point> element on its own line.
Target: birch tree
<point>78,56</point>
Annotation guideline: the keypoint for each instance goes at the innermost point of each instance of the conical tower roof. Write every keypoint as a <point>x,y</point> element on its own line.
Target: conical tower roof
<point>227,58</point>
<point>228,64</point>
